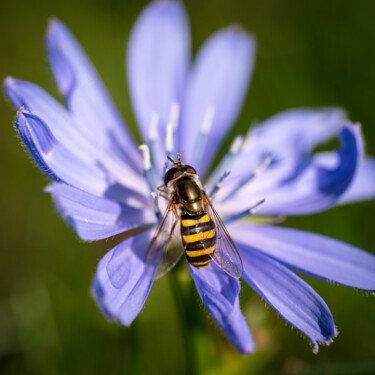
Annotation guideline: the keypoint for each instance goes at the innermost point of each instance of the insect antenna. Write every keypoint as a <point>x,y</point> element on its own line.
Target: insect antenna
<point>170,159</point>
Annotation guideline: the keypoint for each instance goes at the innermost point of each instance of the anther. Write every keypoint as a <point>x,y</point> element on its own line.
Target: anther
<point>248,212</point>
<point>174,114</point>
<point>217,185</point>
<point>153,144</point>
<point>236,145</point>
<point>147,167</point>
<point>262,166</point>
<point>146,157</point>
<point>266,162</point>
<point>156,205</point>
<point>203,136</point>
<point>153,129</point>
<point>208,120</point>
<point>228,160</point>
<point>169,142</point>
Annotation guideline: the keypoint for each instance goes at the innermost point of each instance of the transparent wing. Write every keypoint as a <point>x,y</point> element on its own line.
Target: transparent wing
<point>165,247</point>
<point>226,255</point>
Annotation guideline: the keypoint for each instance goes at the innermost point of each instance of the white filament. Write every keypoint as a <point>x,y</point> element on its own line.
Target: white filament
<point>236,145</point>
<point>169,137</point>
<point>256,206</point>
<point>146,157</point>
<point>208,120</point>
<point>174,114</point>
<point>263,166</point>
<point>153,129</point>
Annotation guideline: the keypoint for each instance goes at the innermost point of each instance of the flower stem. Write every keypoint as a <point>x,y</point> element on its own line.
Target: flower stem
<point>181,291</point>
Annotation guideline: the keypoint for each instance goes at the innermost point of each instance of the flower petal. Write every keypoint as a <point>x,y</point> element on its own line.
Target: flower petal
<point>95,218</point>
<point>296,132</point>
<point>219,79</point>
<point>219,293</point>
<point>122,281</point>
<point>157,61</point>
<point>68,133</point>
<point>289,295</point>
<point>306,188</point>
<point>49,153</point>
<point>363,186</point>
<point>289,135</point>
<point>86,95</point>
<point>310,253</point>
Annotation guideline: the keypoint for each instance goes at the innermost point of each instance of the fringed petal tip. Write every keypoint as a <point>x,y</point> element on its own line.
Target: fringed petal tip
<point>328,342</point>
<point>8,81</point>
<point>219,293</point>
<point>53,25</point>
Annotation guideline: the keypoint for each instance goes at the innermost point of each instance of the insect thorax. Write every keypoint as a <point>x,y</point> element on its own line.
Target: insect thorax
<point>189,193</point>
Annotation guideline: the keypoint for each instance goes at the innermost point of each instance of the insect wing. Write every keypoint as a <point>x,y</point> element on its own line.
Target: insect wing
<point>172,253</point>
<point>226,255</point>
<point>163,252</point>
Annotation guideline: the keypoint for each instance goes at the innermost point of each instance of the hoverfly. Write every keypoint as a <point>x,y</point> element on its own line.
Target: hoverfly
<point>203,235</point>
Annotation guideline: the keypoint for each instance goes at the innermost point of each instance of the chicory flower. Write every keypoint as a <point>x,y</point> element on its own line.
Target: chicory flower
<point>102,186</point>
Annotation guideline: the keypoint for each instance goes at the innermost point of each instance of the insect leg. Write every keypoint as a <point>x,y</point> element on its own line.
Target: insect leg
<point>162,189</point>
<point>165,197</point>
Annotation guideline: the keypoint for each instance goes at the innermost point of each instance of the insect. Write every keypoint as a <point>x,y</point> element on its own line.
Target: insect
<point>203,236</point>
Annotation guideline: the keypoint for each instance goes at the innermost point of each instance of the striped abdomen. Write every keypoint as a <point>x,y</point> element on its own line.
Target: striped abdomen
<point>198,237</point>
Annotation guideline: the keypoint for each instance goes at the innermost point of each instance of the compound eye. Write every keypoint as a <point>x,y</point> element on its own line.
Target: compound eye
<point>171,175</point>
<point>190,169</point>
<point>177,173</point>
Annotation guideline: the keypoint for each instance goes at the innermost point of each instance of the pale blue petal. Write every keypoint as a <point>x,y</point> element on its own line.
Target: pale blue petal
<point>310,253</point>
<point>363,186</point>
<point>95,218</point>
<point>219,293</point>
<point>289,135</point>
<point>49,153</point>
<point>68,133</point>
<point>86,96</point>
<point>123,281</point>
<point>219,79</point>
<point>289,295</point>
<point>296,132</point>
<point>305,188</point>
<point>157,61</point>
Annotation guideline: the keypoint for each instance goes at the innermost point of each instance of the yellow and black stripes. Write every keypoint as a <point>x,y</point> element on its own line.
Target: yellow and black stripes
<point>198,237</point>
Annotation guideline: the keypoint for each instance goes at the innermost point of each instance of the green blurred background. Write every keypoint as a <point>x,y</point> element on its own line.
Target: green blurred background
<point>309,54</point>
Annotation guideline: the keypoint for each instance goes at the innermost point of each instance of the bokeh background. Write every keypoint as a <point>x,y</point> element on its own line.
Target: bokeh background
<point>310,53</point>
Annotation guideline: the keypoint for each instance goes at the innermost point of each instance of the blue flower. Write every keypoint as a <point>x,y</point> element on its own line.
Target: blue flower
<point>101,185</point>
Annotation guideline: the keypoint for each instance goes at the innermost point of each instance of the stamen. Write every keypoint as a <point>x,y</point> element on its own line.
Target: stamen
<point>174,114</point>
<point>246,180</point>
<point>169,141</point>
<point>217,186</point>
<point>236,145</point>
<point>229,158</point>
<point>246,213</point>
<point>147,166</point>
<point>156,206</point>
<point>249,136</point>
<point>203,136</point>
<point>208,120</point>
<point>146,157</point>
<point>153,133</point>
<point>153,136</point>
